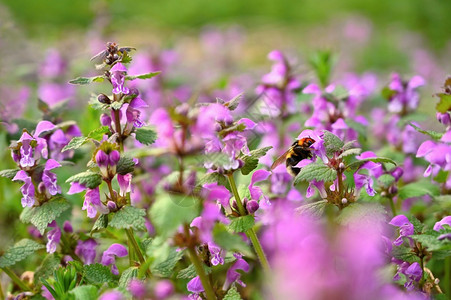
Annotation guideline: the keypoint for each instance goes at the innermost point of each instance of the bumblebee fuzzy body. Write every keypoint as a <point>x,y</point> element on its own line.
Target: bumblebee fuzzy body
<point>298,151</point>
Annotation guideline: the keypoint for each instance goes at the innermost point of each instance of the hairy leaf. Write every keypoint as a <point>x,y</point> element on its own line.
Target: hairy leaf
<point>89,179</point>
<point>142,76</point>
<point>146,135</point>
<point>129,217</point>
<point>20,251</point>
<point>316,171</point>
<point>242,224</point>
<point>251,160</point>
<point>75,143</point>
<point>97,273</point>
<point>86,80</point>
<point>41,216</point>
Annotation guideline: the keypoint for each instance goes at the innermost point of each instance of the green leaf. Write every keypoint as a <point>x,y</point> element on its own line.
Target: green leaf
<point>445,103</point>
<point>146,135</point>
<point>10,173</point>
<point>230,241</point>
<point>316,171</point>
<point>405,254</point>
<point>212,177</point>
<point>433,134</point>
<point>86,80</point>
<point>418,189</point>
<point>167,215</point>
<point>386,180</point>
<point>75,143</point>
<point>251,160</point>
<point>357,164</point>
<point>367,214</point>
<point>88,178</point>
<point>353,151</point>
<point>190,272</point>
<point>359,127</point>
<point>232,294</point>
<point>85,292</point>
<point>101,223</point>
<point>50,263</point>
<point>166,267</point>
<point>19,252</point>
<point>41,216</point>
<point>127,276</point>
<point>242,224</point>
<point>129,217</point>
<point>430,240</point>
<point>97,273</point>
<point>142,76</point>
<point>315,209</point>
<point>125,165</point>
<point>98,133</point>
<point>417,225</point>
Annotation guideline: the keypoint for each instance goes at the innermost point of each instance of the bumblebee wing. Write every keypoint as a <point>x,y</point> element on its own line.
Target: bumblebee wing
<point>281,159</point>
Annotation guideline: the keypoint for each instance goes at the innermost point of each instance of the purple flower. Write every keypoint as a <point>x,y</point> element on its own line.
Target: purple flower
<point>27,189</point>
<point>364,181</point>
<point>414,273</point>
<point>137,288</point>
<point>125,183</point>
<point>109,256</point>
<point>92,203</point>
<point>445,221</point>
<point>112,295</point>
<point>255,191</point>
<point>133,113</point>
<point>233,275</point>
<point>118,72</point>
<point>163,289</point>
<point>405,95</point>
<point>406,228</point>
<point>195,285</point>
<point>86,250</point>
<point>216,254</point>
<point>54,237</point>
<point>49,178</point>
<point>32,147</point>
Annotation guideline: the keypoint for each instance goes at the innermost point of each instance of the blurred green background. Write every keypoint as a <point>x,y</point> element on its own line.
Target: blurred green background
<point>56,18</point>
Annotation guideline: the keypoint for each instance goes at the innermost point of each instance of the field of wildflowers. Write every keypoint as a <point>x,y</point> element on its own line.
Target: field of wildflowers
<point>130,173</point>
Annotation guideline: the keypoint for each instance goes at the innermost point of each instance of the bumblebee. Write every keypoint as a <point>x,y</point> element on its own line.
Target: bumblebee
<point>298,151</point>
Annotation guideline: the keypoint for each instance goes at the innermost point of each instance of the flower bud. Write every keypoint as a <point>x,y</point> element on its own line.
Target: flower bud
<point>341,166</point>
<point>105,120</point>
<point>67,227</point>
<point>240,163</point>
<point>104,99</point>
<point>101,159</point>
<point>114,157</point>
<point>436,281</point>
<point>252,206</point>
<point>163,289</point>
<point>111,206</point>
<point>444,118</point>
<point>393,190</point>
<point>397,173</point>
<point>41,188</point>
<point>134,91</point>
<point>137,288</point>
<point>344,201</point>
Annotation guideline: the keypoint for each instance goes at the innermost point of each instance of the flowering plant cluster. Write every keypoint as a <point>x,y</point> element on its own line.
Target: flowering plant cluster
<point>179,198</point>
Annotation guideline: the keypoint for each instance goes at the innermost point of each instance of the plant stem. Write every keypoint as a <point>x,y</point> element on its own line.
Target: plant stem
<point>201,272</point>
<point>134,243</point>
<point>117,124</point>
<point>2,296</point>
<point>251,232</point>
<point>16,279</point>
<point>392,205</point>
<point>447,279</point>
